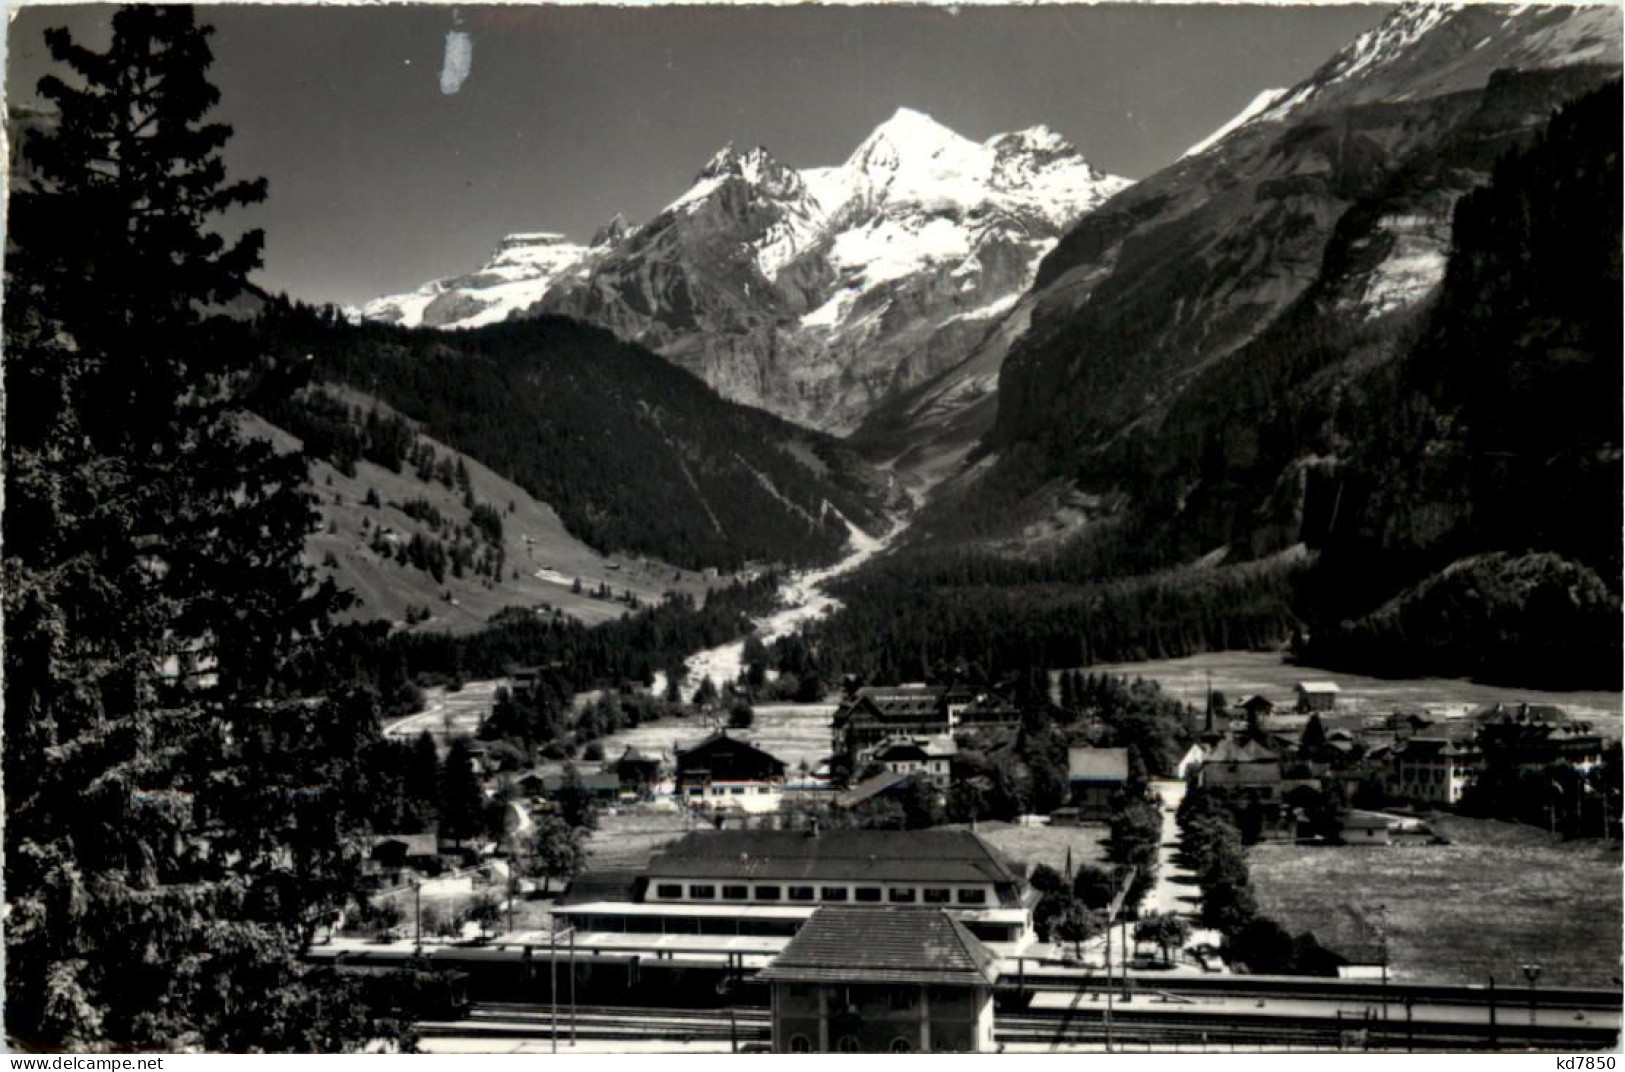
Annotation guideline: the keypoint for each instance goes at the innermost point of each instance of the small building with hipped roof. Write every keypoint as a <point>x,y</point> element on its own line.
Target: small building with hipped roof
<point>882,980</point>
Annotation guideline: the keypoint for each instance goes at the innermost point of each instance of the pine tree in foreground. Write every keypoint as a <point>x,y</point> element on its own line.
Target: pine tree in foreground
<point>179,818</point>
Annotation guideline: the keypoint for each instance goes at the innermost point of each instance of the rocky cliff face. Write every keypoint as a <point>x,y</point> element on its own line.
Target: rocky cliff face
<point>1332,203</point>
<point>816,294</point>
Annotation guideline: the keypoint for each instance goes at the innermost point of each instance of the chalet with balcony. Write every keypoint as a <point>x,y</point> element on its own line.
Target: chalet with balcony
<point>723,767</point>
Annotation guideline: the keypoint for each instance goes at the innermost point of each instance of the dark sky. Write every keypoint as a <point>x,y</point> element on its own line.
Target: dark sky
<point>379,181</point>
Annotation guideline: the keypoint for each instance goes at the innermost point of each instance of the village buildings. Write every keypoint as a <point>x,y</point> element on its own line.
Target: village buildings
<point>931,757</point>
<point>1317,695</point>
<point>1434,770</point>
<point>874,715</point>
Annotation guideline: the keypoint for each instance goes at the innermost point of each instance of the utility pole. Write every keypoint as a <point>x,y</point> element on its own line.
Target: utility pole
<point>1532,973</point>
<point>1382,946</point>
<point>1108,985</point>
<point>553,983</point>
<point>572,933</point>
<point>1493,1040</point>
<point>417,913</point>
<point>1111,916</point>
<point>1207,723</point>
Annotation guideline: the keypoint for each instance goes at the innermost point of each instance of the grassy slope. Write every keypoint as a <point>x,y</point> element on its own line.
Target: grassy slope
<point>533,537</point>
<point>1499,896</point>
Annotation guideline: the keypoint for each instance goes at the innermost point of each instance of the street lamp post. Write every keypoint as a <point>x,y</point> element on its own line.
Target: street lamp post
<point>417,913</point>
<point>1382,948</point>
<point>1532,973</point>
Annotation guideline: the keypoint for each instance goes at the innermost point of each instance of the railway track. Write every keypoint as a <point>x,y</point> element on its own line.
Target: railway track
<point>1156,1029</point>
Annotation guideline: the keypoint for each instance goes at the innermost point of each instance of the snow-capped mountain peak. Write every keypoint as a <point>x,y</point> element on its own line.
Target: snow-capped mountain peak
<point>908,137</point>
<point>1401,29</point>
<point>755,167</point>
<point>612,232</point>
<point>812,292</point>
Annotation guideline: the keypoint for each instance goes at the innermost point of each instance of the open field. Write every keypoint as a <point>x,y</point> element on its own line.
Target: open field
<point>1034,845</point>
<point>1240,673</point>
<point>796,733</point>
<point>1499,896</point>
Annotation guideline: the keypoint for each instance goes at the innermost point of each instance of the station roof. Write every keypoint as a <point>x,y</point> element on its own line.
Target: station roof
<point>879,856</point>
<point>893,946</point>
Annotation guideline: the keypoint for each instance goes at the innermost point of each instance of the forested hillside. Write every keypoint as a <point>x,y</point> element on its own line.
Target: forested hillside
<point>635,455</point>
<point>428,538</point>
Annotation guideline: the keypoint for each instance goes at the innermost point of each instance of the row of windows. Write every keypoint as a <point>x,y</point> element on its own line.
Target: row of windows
<point>931,895</point>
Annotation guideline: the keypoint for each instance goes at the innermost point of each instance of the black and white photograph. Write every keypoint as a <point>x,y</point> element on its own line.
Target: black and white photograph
<point>697,528</point>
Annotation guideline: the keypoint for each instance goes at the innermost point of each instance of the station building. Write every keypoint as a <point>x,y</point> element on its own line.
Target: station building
<point>768,883</point>
<point>884,980</point>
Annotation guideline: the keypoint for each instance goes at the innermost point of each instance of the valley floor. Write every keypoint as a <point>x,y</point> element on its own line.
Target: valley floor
<point>1239,674</point>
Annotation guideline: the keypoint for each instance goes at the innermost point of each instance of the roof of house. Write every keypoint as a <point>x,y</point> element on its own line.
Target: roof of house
<point>1313,687</point>
<point>1255,700</point>
<point>735,745</point>
<point>915,748</point>
<point>899,752</point>
<point>901,692</point>
<point>1097,764</point>
<point>898,703</point>
<point>605,885</point>
<point>870,788</point>
<point>891,945</point>
<point>416,844</point>
<point>1521,712</point>
<point>1427,747</point>
<point>591,781</point>
<point>987,706</point>
<point>1230,750</point>
<point>938,855</point>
